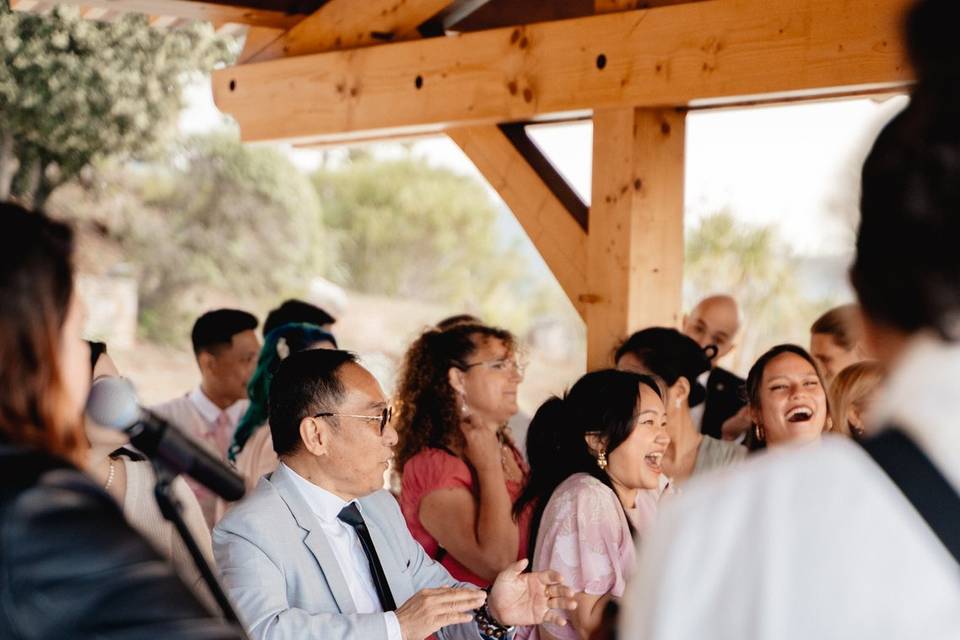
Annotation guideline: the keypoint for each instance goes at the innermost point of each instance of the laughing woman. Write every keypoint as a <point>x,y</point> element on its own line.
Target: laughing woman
<point>591,455</point>
<point>787,398</point>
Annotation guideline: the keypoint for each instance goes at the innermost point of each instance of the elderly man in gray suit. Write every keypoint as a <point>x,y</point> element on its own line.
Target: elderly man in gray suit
<point>319,550</point>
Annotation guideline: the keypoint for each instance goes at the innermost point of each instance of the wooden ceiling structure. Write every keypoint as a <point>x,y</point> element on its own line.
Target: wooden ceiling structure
<point>340,71</point>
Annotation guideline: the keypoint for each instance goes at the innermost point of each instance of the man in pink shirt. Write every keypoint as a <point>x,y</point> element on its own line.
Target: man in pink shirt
<point>226,347</point>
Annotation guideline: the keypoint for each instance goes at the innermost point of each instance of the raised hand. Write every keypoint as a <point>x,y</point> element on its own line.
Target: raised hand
<point>483,445</point>
<point>429,610</point>
<point>518,598</point>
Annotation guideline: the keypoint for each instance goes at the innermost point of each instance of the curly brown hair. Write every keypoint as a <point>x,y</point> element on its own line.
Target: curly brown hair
<point>428,412</point>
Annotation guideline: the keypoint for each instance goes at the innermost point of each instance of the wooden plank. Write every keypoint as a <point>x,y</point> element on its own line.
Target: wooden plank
<point>189,9</point>
<point>348,24</point>
<point>688,54</point>
<point>557,236</point>
<point>635,245</point>
<point>258,38</point>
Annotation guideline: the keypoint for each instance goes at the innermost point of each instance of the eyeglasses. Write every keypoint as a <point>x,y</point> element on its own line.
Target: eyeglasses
<point>383,418</point>
<point>503,364</point>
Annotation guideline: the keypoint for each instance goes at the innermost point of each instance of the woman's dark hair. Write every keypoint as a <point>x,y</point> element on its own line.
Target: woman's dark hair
<point>428,410</point>
<point>602,402</point>
<point>669,355</point>
<point>907,267</point>
<point>97,349</point>
<point>36,286</point>
<point>755,380</point>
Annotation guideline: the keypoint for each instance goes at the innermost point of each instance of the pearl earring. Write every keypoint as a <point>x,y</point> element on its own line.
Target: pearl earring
<point>602,459</point>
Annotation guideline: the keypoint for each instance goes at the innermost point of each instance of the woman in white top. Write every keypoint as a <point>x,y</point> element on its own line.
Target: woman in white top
<point>130,479</point>
<point>817,541</point>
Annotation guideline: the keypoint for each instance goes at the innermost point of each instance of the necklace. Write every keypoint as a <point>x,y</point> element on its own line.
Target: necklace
<point>110,475</point>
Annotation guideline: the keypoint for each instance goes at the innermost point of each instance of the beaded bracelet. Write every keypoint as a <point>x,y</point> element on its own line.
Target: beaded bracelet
<point>488,626</point>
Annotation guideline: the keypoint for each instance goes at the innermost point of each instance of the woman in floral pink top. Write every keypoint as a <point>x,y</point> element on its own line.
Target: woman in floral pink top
<point>593,455</point>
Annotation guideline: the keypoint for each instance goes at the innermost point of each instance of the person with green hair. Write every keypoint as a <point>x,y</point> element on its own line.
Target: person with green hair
<point>252,446</point>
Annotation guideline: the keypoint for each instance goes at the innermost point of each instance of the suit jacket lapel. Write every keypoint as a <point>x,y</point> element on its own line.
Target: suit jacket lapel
<point>316,541</point>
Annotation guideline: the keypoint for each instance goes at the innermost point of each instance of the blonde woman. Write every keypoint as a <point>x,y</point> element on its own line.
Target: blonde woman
<point>851,394</point>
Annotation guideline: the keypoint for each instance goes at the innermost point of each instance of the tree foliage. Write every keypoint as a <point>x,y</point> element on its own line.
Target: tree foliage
<point>753,265</point>
<point>73,91</point>
<point>218,216</point>
<point>411,230</point>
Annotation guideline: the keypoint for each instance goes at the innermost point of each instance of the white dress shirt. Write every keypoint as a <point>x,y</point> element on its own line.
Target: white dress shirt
<point>812,542</point>
<point>346,547</point>
<point>210,411</point>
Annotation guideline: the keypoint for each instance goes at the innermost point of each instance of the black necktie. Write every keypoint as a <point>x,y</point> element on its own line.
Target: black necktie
<point>351,515</point>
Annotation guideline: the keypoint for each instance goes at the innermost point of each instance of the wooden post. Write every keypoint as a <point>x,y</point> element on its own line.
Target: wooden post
<point>635,243</point>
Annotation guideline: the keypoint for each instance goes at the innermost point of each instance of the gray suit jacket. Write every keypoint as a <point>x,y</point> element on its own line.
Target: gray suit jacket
<point>280,571</point>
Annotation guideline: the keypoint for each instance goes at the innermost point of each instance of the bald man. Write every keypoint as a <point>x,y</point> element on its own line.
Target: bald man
<point>714,322</point>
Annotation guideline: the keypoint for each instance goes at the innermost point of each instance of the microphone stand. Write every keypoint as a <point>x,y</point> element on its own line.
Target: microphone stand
<point>170,507</point>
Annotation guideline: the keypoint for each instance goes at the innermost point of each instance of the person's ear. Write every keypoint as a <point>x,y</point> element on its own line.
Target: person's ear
<point>455,377</point>
<point>855,416</point>
<point>315,434</point>
<point>755,415</point>
<point>206,362</point>
<point>595,442</point>
<point>679,393</point>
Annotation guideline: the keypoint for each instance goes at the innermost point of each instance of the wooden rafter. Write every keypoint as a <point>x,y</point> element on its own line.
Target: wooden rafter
<point>700,53</point>
<point>184,9</point>
<point>347,24</point>
<point>559,238</point>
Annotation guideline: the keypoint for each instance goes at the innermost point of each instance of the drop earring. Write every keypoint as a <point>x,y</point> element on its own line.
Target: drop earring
<point>602,459</point>
<point>760,434</point>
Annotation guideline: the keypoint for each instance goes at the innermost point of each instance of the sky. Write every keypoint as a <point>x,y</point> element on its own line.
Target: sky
<point>791,166</point>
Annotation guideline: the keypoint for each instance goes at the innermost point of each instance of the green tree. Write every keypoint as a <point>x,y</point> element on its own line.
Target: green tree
<point>73,91</point>
<point>408,229</point>
<point>219,216</point>
<point>750,263</point>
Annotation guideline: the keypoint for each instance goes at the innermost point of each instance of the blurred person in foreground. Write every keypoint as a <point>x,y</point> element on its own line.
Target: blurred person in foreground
<point>713,324</point>
<point>592,454</point>
<point>226,347</point>
<point>853,393</point>
<point>836,340</point>
<point>320,550</point>
<point>70,565</point>
<point>252,447</point>
<point>837,549</point>
<point>679,362</point>
<point>460,468</point>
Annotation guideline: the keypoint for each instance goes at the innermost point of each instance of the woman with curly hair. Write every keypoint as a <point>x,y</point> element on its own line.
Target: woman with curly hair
<point>460,469</point>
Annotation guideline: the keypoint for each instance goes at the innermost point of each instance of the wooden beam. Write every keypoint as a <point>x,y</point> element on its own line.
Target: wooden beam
<point>635,245</point>
<point>348,24</point>
<point>516,133</point>
<point>189,9</point>
<point>557,236</point>
<point>688,54</point>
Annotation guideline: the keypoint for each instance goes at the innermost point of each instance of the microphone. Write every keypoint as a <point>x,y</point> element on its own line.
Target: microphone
<point>113,403</point>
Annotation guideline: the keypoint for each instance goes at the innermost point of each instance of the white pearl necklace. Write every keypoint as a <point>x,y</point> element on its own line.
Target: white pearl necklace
<point>110,475</point>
